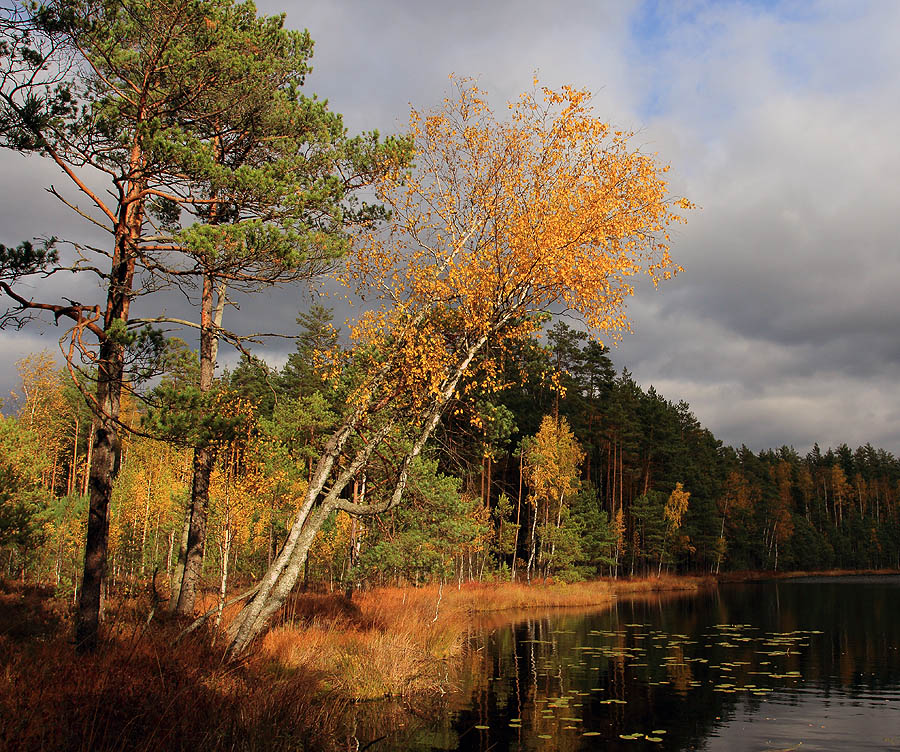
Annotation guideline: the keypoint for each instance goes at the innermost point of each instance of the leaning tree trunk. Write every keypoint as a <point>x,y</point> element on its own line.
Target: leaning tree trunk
<point>282,576</point>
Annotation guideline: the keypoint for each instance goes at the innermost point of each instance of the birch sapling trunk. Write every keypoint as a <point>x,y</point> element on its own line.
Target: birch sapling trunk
<point>73,475</point>
<point>87,462</point>
<point>146,522</point>
<point>515,547</point>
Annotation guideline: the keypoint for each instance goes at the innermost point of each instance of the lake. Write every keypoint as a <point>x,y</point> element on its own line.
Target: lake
<point>805,664</point>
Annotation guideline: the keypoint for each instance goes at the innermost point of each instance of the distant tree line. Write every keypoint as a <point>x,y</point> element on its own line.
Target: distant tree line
<point>564,474</point>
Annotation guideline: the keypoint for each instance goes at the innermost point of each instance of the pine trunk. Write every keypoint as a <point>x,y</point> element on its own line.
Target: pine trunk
<point>204,456</point>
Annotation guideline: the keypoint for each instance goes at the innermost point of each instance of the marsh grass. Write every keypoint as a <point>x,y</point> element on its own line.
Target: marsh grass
<point>296,691</point>
<point>403,641</point>
<point>137,693</point>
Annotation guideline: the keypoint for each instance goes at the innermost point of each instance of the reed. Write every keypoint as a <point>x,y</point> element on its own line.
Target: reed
<point>401,641</point>
<point>140,693</point>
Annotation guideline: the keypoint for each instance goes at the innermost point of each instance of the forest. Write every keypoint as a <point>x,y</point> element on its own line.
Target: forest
<point>571,472</point>
<point>459,430</point>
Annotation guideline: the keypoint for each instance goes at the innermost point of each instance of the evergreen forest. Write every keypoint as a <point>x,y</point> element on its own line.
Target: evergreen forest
<point>572,471</point>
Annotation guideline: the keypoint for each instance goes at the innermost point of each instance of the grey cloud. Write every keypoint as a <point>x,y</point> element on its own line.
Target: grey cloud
<point>779,120</point>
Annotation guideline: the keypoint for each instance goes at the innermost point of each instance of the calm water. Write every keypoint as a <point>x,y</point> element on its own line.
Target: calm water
<point>802,665</point>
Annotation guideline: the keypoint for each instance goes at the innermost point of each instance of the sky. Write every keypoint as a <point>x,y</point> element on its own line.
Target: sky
<point>780,120</point>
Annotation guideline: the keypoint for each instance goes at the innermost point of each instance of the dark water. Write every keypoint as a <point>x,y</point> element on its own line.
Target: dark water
<point>793,665</point>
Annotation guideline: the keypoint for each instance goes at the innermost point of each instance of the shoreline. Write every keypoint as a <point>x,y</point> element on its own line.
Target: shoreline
<point>800,574</point>
<point>299,686</point>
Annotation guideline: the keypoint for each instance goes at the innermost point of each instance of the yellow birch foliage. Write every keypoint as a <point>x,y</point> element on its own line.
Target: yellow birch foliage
<point>618,529</point>
<point>42,404</point>
<point>548,207</point>
<point>145,498</point>
<point>674,511</point>
<point>552,460</point>
<point>676,506</point>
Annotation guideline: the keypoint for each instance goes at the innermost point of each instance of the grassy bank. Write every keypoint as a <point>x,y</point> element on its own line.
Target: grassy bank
<point>138,693</point>
<point>397,641</point>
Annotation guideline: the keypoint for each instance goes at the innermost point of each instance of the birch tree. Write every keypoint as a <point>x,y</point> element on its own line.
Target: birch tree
<point>501,220</point>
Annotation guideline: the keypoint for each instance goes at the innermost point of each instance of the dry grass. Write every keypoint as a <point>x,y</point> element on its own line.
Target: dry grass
<point>138,693</point>
<point>401,641</point>
<point>385,643</point>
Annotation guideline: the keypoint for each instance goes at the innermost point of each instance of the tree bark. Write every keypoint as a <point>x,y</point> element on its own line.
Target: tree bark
<point>107,442</point>
<point>177,573</point>
<point>204,456</point>
<point>196,530</point>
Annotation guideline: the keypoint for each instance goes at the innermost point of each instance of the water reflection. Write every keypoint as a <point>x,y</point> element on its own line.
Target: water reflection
<point>804,665</point>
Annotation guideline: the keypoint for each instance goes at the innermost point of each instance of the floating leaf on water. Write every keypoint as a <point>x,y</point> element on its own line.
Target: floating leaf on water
<point>591,733</point>
<point>482,728</point>
<point>653,738</point>
<point>658,732</point>
<point>632,737</point>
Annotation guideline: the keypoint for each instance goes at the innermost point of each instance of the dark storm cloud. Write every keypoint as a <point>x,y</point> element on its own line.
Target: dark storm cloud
<point>779,120</point>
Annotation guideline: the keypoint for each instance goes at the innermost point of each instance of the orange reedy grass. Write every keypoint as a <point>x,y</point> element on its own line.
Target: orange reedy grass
<point>140,693</point>
<point>399,641</point>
